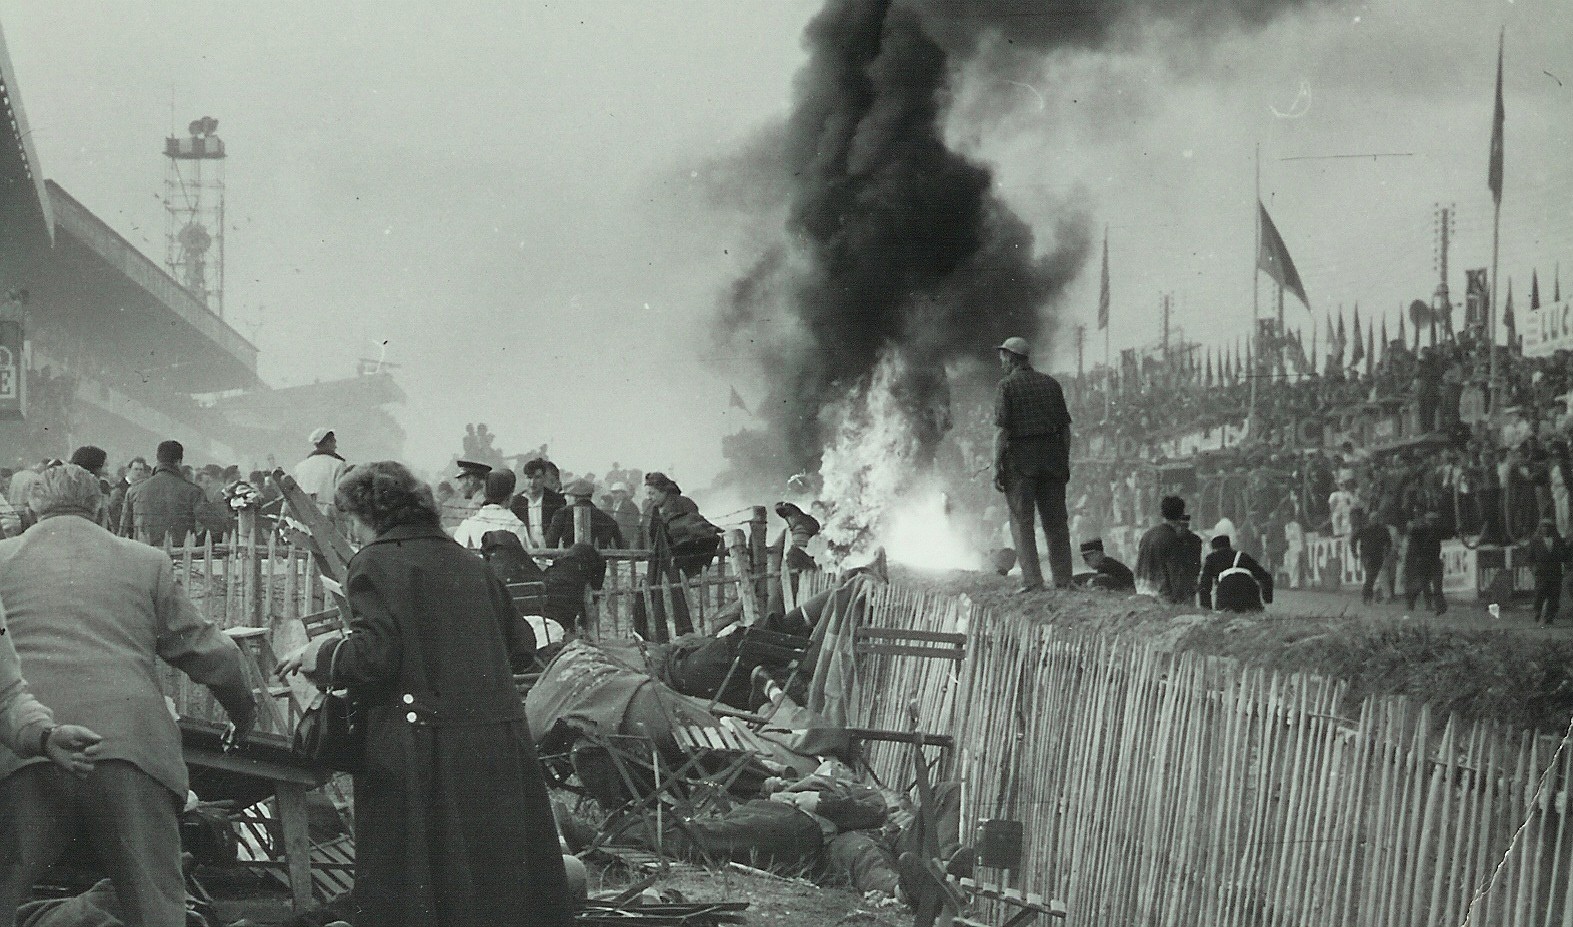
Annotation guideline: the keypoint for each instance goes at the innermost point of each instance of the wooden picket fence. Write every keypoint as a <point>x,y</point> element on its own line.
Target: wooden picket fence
<point>258,591</point>
<point>1180,789</point>
<point>271,584</point>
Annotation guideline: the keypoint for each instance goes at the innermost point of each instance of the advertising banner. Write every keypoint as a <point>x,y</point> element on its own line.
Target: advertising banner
<point>1548,329</point>
<point>11,368</point>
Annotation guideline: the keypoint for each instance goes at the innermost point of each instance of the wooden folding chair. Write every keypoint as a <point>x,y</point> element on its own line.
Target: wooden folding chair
<point>529,598</point>
<point>715,759</point>
<point>902,642</point>
<point>652,796</point>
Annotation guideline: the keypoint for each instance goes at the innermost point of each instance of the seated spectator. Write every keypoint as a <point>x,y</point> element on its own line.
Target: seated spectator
<point>1232,580</point>
<point>1107,572</point>
<point>1169,558</point>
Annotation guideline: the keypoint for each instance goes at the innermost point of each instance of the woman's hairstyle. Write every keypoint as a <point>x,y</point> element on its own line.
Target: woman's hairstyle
<point>385,494</point>
<point>663,483</point>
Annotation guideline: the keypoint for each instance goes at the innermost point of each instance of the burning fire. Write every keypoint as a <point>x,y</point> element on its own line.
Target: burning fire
<point>878,480</point>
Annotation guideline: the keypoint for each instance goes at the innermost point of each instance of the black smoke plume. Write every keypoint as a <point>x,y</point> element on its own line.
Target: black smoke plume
<point>895,244</point>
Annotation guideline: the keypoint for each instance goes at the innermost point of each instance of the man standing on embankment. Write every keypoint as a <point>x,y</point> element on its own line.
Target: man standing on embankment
<point>1032,463</point>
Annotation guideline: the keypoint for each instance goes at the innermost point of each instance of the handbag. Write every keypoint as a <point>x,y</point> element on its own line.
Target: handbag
<point>332,733</point>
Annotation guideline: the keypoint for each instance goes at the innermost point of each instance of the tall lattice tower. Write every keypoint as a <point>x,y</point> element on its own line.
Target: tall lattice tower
<point>194,200</point>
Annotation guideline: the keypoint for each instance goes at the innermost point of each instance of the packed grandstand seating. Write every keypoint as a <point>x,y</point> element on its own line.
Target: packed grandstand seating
<point>1406,435</point>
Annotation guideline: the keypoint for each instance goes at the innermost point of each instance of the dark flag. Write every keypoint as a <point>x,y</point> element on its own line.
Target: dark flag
<point>1273,257</point>
<point>1507,312</point>
<point>1103,289</point>
<point>736,402</point>
<point>1358,354</point>
<point>1370,348</point>
<point>1494,173</point>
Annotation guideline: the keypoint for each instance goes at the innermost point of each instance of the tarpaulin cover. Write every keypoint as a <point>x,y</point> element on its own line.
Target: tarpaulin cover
<point>604,689</point>
<point>96,907</point>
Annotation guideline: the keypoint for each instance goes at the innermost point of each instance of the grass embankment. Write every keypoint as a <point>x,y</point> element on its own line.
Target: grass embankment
<point>1455,664</point>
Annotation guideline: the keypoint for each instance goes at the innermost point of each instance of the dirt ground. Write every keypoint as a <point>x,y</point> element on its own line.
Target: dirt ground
<point>772,900</point>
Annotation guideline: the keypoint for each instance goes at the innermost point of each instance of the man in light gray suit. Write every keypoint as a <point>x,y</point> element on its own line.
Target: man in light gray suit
<point>89,615</point>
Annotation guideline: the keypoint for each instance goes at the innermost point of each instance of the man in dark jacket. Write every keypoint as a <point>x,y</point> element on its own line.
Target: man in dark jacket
<point>1032,463</point>
<point>536,505</point>
<point>604,531</point>
<point>1371,544</point>
<point>1423,562</point>
<point>1107,572</point>
<point>165,504</point>
<point>1232,580</point>
<point>1169,558</point>
<point>1548,555</point>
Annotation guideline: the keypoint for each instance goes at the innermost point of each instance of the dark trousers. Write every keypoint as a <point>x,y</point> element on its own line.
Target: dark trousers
<point>1032,491</point>
<point>1548,598</point>
<point>128,816</point>
<point>1426,577</point>
<point>1372,570</point>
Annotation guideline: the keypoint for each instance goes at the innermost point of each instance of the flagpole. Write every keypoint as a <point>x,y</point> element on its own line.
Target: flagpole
<point>1496,230</point>
<point>1108,371</point>
<point>1108,374</point>
<point>1256,256</point>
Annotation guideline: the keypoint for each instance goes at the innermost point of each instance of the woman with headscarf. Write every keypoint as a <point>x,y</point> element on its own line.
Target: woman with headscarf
<point>682,544</point>
<point>452,824</point>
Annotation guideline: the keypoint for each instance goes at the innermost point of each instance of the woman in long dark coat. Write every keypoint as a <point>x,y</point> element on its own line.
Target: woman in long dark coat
<point>682,544</point>
<point>452,824</point>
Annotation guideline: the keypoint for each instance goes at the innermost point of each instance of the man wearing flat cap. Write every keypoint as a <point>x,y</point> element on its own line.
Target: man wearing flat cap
<point>604,531</point>
<point>1107,572</point>
<point>1032,463</point>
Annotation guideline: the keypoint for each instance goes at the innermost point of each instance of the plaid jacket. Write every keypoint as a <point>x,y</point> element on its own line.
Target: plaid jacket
<point>1029,403</point>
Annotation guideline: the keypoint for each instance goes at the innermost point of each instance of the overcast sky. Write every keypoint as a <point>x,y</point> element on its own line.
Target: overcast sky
<point>519,197</point>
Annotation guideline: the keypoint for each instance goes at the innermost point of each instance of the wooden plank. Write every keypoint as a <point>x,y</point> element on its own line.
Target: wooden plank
<point>911,634</point>
<point>901,650</point>
<point>297,841</point>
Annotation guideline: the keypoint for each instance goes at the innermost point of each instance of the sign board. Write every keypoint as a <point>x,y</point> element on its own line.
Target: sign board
<point>1208,439</point>
<point>12,370</point>
<point>1331,565</point>
<point>1548,329</point>
<point>1458,570</point>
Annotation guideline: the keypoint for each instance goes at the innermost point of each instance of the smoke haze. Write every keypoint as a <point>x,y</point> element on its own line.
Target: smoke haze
<point>895,244</point>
